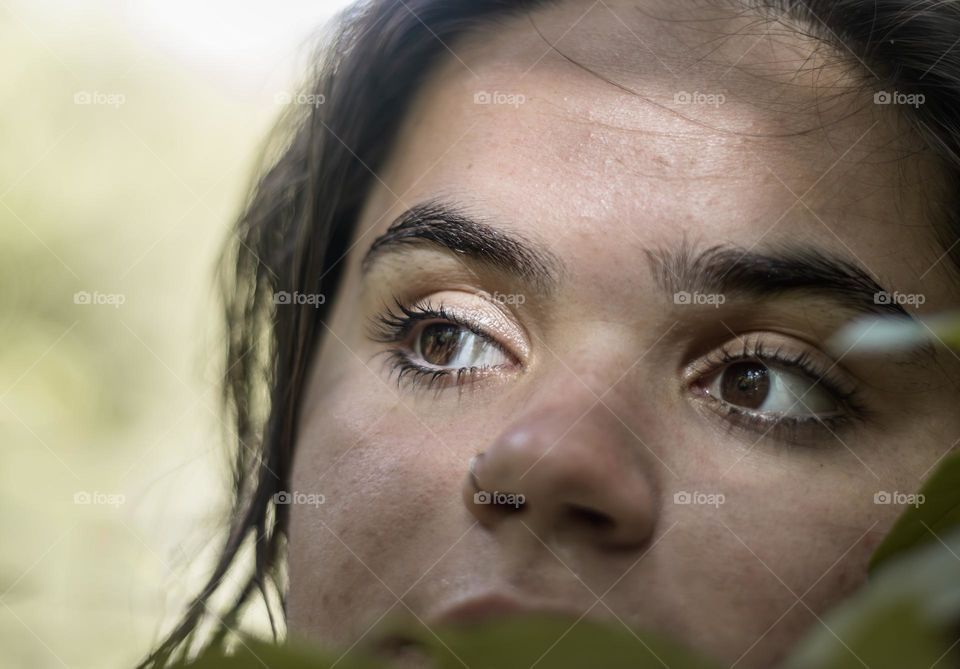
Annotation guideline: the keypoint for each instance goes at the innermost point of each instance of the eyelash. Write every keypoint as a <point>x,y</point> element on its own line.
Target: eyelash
<point>782,428</point>
<point>394,326</point>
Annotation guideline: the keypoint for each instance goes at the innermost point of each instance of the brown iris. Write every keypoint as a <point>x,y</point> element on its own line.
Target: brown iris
<point>745,384</point>
<point>439,343</point>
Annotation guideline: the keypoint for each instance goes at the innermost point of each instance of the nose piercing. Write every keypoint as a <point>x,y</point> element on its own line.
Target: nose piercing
<point>498,499</point>
<point>472,469</point>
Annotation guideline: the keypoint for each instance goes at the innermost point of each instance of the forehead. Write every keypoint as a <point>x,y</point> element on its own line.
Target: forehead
<point>646,121</point>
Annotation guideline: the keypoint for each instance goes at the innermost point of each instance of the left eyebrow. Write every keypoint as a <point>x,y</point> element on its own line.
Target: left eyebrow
<point>445,225</point>
<point>730,270</point>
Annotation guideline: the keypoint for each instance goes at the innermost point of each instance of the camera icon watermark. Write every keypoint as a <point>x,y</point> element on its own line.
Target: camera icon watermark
<point>700,299</point>
<point>714,499</point>
<point>309,99</point>
<point>698,98</point>
<point>914,100</point>
<point>497,498</point>
<point>499,98</point>
<point>97,498</point>
<point>300,498</point>
<point>284,297</point>
<point>99,98</point>
<point>96,298</point>
<point>504,298</point>
<point>903,299</point>
<point>899,498</point>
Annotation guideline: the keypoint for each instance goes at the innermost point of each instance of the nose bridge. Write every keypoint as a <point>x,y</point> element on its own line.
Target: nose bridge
<point>553,442</point>
<point>598,355</point>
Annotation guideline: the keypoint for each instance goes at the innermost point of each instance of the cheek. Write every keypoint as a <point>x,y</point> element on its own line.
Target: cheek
<point>803,537</point>
<point>388,490</point>
<point>790,524</point>
<point>771,553</point>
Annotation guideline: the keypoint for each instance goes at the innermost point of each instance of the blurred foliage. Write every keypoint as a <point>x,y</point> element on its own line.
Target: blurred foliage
<point>109,400</point>
<point>925,522</point>
<point>907,616</point>
<point>521,643</point>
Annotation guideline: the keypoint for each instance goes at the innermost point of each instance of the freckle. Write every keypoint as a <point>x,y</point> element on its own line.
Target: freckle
<point>470,166</point>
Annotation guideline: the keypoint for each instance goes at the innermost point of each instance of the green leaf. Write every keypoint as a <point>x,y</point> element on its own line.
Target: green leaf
<point>546,642</point>
<point>554,643</point>
<point>908,615</point>
<point>937,515</point>
<point>255,654</point>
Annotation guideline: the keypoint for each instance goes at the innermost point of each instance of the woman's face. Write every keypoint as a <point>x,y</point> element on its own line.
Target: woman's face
<point>681,467</point>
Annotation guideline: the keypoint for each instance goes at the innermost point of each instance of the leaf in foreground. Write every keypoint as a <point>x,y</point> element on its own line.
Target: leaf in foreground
<point>936,516</point>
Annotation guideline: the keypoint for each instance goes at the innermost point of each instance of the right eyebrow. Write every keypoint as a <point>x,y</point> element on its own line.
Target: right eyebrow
<point>779,271</point>
<point>442,224</point>
<point>785,269</point>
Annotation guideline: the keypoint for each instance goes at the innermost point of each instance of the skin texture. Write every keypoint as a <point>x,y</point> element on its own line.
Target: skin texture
<point>593,417</point>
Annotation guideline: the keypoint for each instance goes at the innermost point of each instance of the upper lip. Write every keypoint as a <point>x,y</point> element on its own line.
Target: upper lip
<point>488,606</point>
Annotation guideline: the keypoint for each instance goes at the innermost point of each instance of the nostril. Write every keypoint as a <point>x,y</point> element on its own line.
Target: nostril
<point>588,517</point>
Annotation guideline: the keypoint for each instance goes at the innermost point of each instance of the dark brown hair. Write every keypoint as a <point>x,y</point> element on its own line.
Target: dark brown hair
<point>300,218</point>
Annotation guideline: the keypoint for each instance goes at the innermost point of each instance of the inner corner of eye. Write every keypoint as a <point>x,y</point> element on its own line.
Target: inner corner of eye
<point>698,386</point>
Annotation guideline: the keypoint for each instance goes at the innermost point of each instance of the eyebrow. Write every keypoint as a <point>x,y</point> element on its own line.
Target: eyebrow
<point>447,226</point>
<point>730,270</point>
<point>722,269</point>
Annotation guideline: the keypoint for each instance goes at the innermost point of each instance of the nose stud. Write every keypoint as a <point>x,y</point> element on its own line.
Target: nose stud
<point>494,498</point>
<point>472,470</point>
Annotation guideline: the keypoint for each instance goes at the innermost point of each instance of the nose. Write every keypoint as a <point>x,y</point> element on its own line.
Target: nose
<point>569,479</point>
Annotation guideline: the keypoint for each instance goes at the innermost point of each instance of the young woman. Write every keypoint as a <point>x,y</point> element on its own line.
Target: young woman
<point>539,294</point>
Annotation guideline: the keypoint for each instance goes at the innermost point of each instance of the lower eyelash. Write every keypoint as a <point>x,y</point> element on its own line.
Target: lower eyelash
<point>790,429</point>
<point>420,377</point>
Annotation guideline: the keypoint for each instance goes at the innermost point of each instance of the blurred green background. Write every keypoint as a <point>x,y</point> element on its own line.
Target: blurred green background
<point>130,131</point>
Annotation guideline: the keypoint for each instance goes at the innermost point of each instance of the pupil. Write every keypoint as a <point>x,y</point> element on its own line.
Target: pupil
<point>439,343</point>
<point>745,384</point>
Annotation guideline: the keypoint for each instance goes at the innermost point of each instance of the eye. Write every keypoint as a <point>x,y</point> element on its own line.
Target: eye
<point>778,387</point>
<point>453,346</point>
<point>440,344</point>
<point>761,388</point>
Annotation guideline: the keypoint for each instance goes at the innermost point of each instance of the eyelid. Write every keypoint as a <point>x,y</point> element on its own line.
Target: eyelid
<point>486,317</point>
<point>776,349</point>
